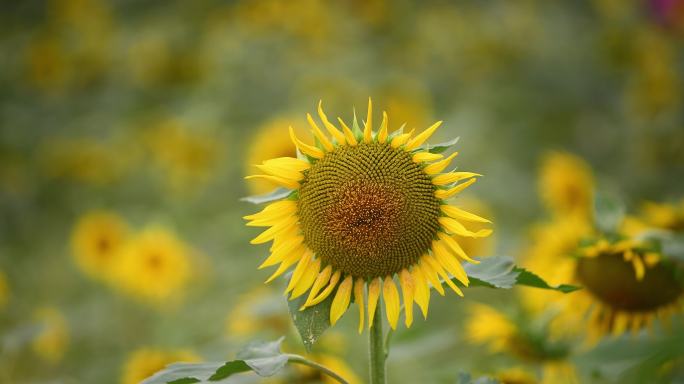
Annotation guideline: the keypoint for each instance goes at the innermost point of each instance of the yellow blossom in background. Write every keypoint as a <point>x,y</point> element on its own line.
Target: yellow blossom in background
<point>270,141</point>
<point>52,338</point>
<point>154,266</point>
<point>144,362</point>
<point>96,241</point>
<point>304,374</point>
<point>487,326</point>
<point>188,158</point>
<point>664,216</point>
<point>516,375</point>
<point>566,184</point>
<point>257,311</point>
<point>4,290</point>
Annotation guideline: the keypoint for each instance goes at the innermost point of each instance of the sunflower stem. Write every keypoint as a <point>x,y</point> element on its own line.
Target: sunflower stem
<point>377,350</point>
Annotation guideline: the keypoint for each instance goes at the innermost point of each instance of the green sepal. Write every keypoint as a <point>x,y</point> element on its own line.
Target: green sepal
<point>277,194</point>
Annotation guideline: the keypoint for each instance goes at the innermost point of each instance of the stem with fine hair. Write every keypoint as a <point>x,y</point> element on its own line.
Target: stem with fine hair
<point>378,372</point>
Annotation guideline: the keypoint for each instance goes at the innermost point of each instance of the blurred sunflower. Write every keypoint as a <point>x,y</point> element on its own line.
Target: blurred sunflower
<point>145,362</point>
<point>4,290</point>
<point>52,339</point>
<point>566,184</point>
<point>270,141</point>
<point>366,207</point>
<point>522,340</point>
<point>96,241</point>
<point>663,216</point>
<point>84,160</point>
<point>626,286</point>
<point>154,266</point>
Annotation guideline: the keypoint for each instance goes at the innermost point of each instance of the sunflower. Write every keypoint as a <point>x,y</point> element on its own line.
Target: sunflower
<point>523,341</point>
<point>154,266</point>
<point>144,362</point>
<point>566,184</point>
<point>366,207</point>
<point>626,286</point>
<point>96,240</point>
<point>669,217</point>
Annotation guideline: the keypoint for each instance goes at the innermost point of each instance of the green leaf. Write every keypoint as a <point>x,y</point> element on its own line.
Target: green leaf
<point>441,147</point>
<point>531,279</point>
<point>263,358</point>
<point>493,272</point>
<point>608,212</point>
<point>277,194</point>
<point>501,272</point>
<point>311,322</point>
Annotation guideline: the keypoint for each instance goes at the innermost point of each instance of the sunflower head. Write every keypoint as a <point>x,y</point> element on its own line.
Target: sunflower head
<point>367,208</point>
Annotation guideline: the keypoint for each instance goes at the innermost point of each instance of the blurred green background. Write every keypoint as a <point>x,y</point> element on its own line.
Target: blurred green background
<point>153,111</point>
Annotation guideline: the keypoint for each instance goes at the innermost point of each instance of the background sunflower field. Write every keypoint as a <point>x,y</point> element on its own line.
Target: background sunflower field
<point>127,127</point>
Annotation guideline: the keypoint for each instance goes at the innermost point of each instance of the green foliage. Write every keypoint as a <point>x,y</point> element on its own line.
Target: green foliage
<point>441,147</point>
<point>312,321</point>
<point>277,194</point>
<point>263,358</point>
<point>501,272</point>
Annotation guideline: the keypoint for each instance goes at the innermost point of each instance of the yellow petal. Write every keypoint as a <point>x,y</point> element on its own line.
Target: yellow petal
<point>327,291</point>
<point>434,264</point>
<point>453,245</point>
<point>294,246</point>
<point>452,177</point>
<point>322,279</point>
<point>382,135</point>
<point>287,183</point>
<point>639,268</point>
<point>348,134</point>
<point>299,270</point>
<point>305,148</point>
<point>421,157</point>
<point>358,298</point>
<point>277,209</point>
<point>285,265</point>
<point>439,166</point>
<point>400,140</point>
<point>448,262</point>
<point>408,291</point>
<point>325,142</point>
<point>391,297</point>
<point>307,279</point>
<point>457,228</point>
<point>341,300</point>
<point>458,213</point>
<point>368,130</point>
<point>422,291</point>
<point>282,172</point>
<point>373,295</point>
<point>288,162</point>
<point>445,194</point>
<point>334,132</point>
<point>270,233</point>
<point>431,276</point>
<point>420,139</point>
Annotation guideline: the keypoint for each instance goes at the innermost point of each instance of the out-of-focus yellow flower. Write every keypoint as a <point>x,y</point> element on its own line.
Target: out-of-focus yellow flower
<point>84,160</point>
<point>486,325</point>
<point>144,362</point>
<point>188,158</point>
<point>664,216</point>
<point>409,103</point>
<point>52,339</point>
<point>272,140</point>
<point>516,375</point>
<point>305,374</point>
<point>4,290</point>
<point>154,266</point>
<point>96,242</point>
<point>566,184</point>
<point>490,327</point>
